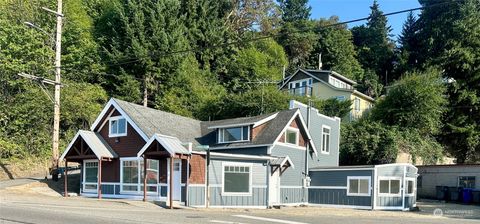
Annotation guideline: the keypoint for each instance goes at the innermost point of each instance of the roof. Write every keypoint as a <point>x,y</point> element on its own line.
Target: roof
<point>281,161</point>
<point>242,121</point>
<point>151,121</point>
<point>172,144</point>
<point>266,136</point>
<point>319,73</point>
<point>95,142</point>
<point>342,167</point>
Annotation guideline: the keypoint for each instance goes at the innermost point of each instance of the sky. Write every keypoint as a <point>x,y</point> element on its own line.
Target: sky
<point>355,9</point>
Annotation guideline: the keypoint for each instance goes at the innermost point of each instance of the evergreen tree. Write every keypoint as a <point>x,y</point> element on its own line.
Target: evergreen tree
<point>294,10</point>
<point>409,46</point>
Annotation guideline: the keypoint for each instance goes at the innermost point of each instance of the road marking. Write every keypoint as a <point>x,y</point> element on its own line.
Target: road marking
<point>226,222</point>
<point>268,219</point>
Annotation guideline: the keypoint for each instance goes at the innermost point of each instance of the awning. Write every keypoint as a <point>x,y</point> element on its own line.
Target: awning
<point>282,162</point>
<point>171,144</point>
<point>95,142</point>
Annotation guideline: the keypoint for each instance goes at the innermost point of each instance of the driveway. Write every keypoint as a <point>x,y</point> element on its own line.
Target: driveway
<point>20,205</point>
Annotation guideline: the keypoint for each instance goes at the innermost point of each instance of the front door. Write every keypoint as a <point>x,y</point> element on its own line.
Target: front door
<point>177,180</point>
<point>274,193</point>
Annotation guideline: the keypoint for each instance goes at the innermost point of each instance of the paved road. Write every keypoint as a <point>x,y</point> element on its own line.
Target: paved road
<point>19,181</point>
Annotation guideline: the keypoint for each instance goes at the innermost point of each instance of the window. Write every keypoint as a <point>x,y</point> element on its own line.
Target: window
<point>389,186</point>
<point>291,136</point>
<point>340,98</point>
<point>410,188</point>
<point>118,126</point>
<point>466,182</point>
<point>301,87</point>
<point>357,104</point>
<point>132,173</point>
<point>236,134</point>
<point>325,139</point>
<point>236,179</point>
<point>90,179</point>
<point>358,186</point>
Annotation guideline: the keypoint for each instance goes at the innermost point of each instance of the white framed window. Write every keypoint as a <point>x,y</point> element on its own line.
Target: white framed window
<point>466,181</point>
<point>340,98</point>
<point>358,186</point>
<point>237,179</point>
<point>292,136</point>
<point>325,139</point>
<point>301,87</point>
<point>410,186</point>
<point>132,173</point>
<point>117,126</point>
<point>234,134</point>
<point>389,186</point>
<point>90,176</point>
<point>357,104</point>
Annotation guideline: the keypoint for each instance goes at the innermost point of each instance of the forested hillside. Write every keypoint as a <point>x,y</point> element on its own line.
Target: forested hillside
<point>214,59</point>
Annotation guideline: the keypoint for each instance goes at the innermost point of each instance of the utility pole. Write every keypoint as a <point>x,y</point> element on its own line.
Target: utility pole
<point>56,110</point>
<point>56,83</point>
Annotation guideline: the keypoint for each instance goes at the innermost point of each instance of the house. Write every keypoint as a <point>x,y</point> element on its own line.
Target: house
<point>136,152</point>
<point>326,84</point>
<point>454,175</point>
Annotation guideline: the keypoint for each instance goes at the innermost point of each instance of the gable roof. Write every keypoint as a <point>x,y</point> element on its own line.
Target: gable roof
<point>172,144</point>
<point>95,142</point>
<point>242,121</point>
<point>317,73</point>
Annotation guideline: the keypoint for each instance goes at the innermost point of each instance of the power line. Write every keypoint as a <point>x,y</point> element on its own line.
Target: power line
<point>239,42</point>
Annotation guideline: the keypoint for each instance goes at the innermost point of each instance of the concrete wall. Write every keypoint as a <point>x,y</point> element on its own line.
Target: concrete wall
<point>444,175</point>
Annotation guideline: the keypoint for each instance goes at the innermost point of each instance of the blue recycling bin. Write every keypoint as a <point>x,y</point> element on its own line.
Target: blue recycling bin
<point>467,195</point>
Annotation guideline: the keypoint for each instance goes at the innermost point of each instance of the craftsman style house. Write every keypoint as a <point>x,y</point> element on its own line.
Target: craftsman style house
<point>137,152</point>
<point>326,84</point>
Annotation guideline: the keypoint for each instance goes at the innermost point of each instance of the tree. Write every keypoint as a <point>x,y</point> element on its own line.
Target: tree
<point>408,50</point>
<point>254,15</point>
<point>415,102</point>
<point>374,46</point>
<point>450,39</point>
<point>335,45</point>
<point>294,10</point>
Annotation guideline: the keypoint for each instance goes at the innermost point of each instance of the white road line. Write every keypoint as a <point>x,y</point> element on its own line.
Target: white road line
<point>268,219</point>
<point>226,222</point>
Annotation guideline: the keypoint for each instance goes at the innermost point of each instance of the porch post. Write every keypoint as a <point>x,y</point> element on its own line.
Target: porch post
<point>171,182</point>
<point>100,178</point>
<point>144,178</point>
<point>65,194</point>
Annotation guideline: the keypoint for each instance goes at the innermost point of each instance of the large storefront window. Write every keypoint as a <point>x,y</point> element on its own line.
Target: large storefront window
<point>236,179</point>
<point>133,173</point>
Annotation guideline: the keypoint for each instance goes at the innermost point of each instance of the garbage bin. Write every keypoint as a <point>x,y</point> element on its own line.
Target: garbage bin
<point>454,194</point>
<point>441,192</point>
<point>467,195</point>
<point>476,197</point>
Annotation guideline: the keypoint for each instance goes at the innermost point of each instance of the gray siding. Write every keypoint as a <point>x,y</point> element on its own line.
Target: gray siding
<point>315,129</point>
<point>409,202</point>
<point>196,196</point>
<point>259,171</point>
<point>336,197</point>
<point>391,171</point>
<point>293,175</point>
<point>293,195</point>
<point>246,151</point>
<point>258,198</point>
<point>389,201</point>
<point>336,178</point>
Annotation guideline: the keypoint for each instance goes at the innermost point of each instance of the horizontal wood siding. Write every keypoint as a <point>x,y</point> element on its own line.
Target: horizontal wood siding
<point>258,171</point>
<point>111,171</point>
<point>293,175</point>
<point>336,197</point>
<point>336,178</point>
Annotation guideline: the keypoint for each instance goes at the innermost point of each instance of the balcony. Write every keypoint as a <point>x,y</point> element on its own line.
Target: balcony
<point>301,91</point>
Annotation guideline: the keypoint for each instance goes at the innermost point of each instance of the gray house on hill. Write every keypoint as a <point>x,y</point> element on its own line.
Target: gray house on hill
<point>136,152</point>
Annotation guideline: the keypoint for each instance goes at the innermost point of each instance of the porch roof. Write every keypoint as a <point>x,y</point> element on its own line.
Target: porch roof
<point>282,161</point>
<point>95,142</point>
<point>172,144</point>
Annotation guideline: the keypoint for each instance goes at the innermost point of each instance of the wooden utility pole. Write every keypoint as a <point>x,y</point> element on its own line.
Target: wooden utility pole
<point>56,107</point>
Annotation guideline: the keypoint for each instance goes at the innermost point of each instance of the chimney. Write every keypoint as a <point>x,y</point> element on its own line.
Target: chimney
<point>320,61</point>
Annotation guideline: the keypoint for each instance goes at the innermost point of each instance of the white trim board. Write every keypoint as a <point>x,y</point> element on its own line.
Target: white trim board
<point>329,187</point>
<point>340,206</point>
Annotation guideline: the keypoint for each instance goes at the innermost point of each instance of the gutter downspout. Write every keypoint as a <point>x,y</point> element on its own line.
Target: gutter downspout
<point>305,190</point>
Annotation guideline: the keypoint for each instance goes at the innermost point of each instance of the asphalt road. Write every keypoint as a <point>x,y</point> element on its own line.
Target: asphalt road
<point>21,206</point>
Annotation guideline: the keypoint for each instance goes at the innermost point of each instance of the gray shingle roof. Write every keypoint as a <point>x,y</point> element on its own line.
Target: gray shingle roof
<point>152,121</point>
<point>240,120</point>
<point>95,142</point>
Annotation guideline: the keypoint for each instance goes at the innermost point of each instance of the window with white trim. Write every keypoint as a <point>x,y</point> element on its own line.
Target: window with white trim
<point>357,104</point>
<point>132,173</point>
<point>90,178</point>
<point>234,134</point>
<point>118,126</point>
<point>389,186</point>
<point>410,187</point>
<point>291,136</point>
<point>358,186</point>
<point>325,139</point>
<point>237,179</point>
